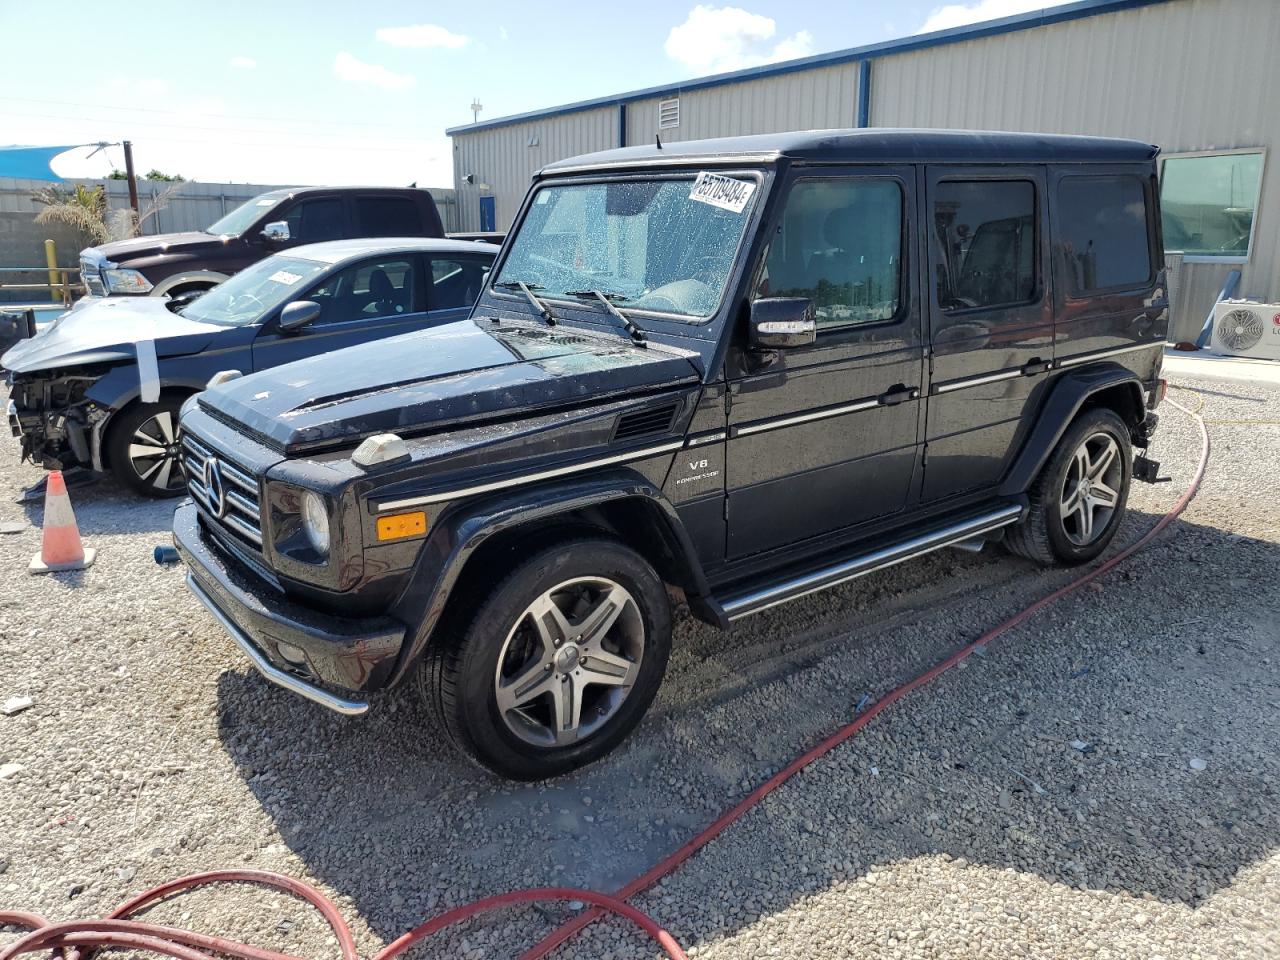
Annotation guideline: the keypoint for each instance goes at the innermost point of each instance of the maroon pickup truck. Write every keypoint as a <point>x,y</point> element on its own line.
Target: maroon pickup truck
<point>176,264</point>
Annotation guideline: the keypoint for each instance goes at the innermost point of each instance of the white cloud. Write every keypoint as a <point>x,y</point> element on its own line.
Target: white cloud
<point>243,63</point>
<point>714,39</point>
<point>353,70</point>
<point>502,32</point>
<point>960,14</point>
<point>422,35</point>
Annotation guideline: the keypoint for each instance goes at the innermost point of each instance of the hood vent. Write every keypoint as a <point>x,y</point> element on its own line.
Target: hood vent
<point>642,423</point>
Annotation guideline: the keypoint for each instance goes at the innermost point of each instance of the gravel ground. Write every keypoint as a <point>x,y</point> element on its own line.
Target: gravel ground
<point>960,823</point>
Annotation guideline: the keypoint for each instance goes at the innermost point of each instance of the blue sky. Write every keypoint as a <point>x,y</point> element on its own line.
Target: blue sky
<point>342,92</point>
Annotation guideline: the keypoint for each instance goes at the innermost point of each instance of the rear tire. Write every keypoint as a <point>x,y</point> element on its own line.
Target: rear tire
<point>555,665</point>
<point>142,448</point>
<point>1078,500</point>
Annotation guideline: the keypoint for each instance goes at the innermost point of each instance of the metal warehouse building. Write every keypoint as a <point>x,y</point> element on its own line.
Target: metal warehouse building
<point>1201,78</point>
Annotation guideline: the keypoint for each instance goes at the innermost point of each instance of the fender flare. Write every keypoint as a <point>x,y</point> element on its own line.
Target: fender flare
<point>1069,394</point>
<point>457,535</point>
<point>162,288</point>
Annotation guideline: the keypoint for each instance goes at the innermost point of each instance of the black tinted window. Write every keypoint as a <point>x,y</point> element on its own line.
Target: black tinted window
<point>840,245</point>
<point>456,282</point>
<point>1103,232</point>
<point>387,217</point>
<point>374,288</point>
<point>986,232</point>
<point>314,220</point>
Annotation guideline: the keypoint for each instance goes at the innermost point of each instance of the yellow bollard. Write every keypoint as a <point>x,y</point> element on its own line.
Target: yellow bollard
<point>51,259</point>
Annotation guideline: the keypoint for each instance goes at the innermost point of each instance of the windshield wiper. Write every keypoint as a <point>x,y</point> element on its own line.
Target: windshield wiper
<point>606,299</point>
<point>527,289</point>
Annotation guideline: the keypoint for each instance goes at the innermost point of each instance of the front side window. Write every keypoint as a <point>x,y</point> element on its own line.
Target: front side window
<point>254,292</point>
<point>986,234</point>
<point>246,215</point>
<point>1102,232</point>
<point>312,221</point>
<point>839,244</point>
<point>661,245</point>
<point>377,288</point>
<point>1208,203</point>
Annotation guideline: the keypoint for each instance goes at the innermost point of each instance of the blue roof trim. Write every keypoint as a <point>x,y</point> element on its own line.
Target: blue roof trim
<point>989,28</point>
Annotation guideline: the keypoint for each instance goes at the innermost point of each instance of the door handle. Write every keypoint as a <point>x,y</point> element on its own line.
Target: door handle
<point>1036,366</point>
<point>896,394</point>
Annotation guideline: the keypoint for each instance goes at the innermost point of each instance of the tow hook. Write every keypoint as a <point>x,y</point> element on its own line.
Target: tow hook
<point>1148,470</point>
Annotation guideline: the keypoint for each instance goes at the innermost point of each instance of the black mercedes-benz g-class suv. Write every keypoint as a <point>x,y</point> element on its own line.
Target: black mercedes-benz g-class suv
<point>734,372</point>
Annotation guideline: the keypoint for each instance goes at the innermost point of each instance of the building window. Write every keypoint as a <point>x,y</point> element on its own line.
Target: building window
<point>1102,233</point>
<point>1208,202</point>
<point>987,234</point>
<point>669,113</point>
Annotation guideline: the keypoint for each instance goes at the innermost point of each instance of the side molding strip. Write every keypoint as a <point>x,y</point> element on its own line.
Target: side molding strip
<point>839,573</point>
<point>443,495</point>
<point>1087,357</point>
<point>805,417</point>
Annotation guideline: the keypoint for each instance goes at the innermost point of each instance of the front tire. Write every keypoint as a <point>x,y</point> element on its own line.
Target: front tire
<point>554,666</point>
<point>142,449</point>
<point>1078,500</point>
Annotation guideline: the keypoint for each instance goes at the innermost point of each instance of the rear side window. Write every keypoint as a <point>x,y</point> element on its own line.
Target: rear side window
<point>387,217</point>
<point>986,231</point>
<point>457,282</point>
<point>1103,238</point>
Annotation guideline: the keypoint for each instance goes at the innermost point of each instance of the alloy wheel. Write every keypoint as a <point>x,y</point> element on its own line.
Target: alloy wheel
<point>1091,489</point>
<point>154,452</point>
<point>569,662</point>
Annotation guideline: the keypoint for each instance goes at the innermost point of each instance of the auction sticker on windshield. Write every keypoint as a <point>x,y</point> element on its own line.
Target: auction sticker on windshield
<point>285,277</point>
<point>723,192</point>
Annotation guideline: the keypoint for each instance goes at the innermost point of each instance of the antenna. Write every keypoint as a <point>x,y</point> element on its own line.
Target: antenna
<point>658,138</point>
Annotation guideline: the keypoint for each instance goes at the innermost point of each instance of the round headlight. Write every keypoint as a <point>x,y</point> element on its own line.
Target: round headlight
<point>315,521</point>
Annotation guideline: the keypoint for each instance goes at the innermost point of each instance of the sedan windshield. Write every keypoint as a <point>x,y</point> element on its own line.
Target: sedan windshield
<point>662,245</point>
<point>253,292</point>
<point>244,216</point>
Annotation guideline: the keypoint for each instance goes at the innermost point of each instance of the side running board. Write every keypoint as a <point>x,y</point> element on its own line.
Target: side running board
<point>763,598</point>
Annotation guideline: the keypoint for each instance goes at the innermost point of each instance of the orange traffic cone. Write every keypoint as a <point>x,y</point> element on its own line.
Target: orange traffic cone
<point>61,548</point>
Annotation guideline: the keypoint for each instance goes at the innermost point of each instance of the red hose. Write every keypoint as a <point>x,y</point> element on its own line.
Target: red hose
<point>119,931</point>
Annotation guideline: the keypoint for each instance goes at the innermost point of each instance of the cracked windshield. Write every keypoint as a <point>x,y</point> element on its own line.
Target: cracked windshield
<point>661,245</point>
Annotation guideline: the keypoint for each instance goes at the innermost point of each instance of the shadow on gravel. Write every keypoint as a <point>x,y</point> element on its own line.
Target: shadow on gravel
<point>1176,657</point>
<point>105,507</point>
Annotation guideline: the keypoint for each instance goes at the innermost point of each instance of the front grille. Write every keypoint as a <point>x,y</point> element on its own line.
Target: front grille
<point>241,510</point>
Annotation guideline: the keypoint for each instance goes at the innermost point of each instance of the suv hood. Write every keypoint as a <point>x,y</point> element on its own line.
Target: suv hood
<point>465,372</point>
<point>135,248</point>
<point>107,329</point>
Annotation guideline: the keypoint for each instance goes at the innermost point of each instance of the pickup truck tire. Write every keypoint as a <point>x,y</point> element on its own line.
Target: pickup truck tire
<point>1078,500</point>
<point>552,666</point>
<point>142,448</point>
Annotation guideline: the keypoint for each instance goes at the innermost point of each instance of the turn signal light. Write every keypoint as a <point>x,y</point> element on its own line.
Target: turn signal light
<point>400,525</point>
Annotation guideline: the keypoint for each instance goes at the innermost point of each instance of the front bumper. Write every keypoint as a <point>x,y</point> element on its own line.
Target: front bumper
<point>316,655</point>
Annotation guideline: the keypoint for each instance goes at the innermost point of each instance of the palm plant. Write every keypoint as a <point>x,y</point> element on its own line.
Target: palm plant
<point>84,209</point>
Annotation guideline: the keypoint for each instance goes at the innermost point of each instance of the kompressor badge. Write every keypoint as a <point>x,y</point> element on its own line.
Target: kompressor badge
<point>723,192</point>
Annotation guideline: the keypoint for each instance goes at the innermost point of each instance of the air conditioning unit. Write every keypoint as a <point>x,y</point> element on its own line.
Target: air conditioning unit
<point>1242,328</point>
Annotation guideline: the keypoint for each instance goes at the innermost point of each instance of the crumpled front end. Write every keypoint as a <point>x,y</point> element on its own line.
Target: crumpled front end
<point>57,426</point>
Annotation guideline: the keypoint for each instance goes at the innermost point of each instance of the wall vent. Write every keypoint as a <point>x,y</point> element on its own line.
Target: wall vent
<point>641,423</point>
<point>669,113</point>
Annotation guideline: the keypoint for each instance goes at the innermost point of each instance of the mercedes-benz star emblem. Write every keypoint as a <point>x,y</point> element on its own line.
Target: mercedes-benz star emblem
<point>211,476</point>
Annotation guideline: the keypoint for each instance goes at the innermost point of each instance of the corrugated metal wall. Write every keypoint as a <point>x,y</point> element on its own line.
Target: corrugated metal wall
<point>507,157</point>
<point>1187,75</point>
<point>820,98</point>
<point>1190,75</point>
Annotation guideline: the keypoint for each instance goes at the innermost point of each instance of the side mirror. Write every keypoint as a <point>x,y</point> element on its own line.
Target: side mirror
<point>778,323</point>
<point>298,314</point>
<point>277,230</point>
